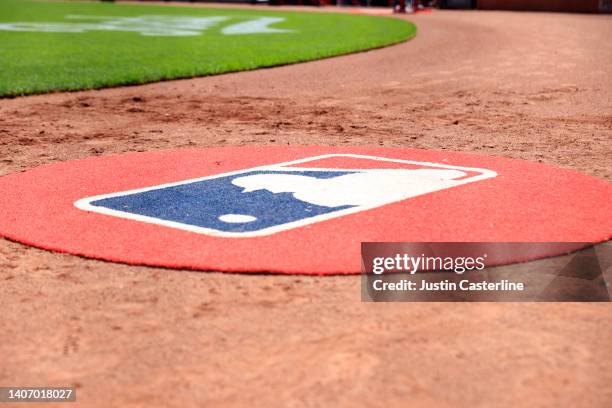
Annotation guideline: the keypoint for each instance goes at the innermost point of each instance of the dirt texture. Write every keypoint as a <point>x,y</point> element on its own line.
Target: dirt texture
<point>535,86</point>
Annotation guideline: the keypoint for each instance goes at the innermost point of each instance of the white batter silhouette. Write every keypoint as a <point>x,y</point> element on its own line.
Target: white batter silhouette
<point>364,188</point>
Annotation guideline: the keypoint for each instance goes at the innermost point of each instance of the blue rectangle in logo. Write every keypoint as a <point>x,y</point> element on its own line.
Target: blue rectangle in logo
<point>245,202</point>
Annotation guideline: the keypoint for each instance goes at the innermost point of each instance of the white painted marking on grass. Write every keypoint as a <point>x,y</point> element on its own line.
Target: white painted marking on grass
<point>257,26</point>
<point>158,26</point>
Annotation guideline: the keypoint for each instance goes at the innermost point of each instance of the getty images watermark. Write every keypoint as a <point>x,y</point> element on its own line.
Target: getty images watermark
<point>452,271</point>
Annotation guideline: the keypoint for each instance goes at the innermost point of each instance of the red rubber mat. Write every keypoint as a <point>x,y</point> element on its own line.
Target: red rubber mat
<point>301,210</point>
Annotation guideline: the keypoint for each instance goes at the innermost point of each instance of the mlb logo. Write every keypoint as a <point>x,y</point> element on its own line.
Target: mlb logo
<point>268,199</point>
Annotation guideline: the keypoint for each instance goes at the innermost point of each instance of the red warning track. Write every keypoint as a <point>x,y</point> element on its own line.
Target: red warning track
<point>524,202</point>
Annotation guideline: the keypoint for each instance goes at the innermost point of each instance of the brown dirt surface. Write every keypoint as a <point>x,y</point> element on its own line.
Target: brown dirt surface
<point>534,86</point>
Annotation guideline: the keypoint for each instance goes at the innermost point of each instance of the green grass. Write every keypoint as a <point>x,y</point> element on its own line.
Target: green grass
<point>37,62</point>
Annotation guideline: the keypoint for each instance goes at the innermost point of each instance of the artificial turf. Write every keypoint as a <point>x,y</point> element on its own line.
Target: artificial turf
<point>97,57</point>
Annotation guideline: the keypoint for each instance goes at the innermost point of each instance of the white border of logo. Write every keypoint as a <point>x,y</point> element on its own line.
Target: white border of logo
<point>85,203</point>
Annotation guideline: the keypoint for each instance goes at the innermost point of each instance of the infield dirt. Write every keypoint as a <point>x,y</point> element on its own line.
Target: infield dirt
<point>534,86</point>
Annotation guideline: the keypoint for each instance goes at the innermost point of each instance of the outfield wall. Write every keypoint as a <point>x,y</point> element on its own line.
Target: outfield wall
<point>581,6</point>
